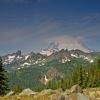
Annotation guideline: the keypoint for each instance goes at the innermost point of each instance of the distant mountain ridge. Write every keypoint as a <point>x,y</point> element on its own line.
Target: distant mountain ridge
<point>33,69</point>
<point>18,60</point>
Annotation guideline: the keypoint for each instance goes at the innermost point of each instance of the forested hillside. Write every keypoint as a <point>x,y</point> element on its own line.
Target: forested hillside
<point>59,72</point>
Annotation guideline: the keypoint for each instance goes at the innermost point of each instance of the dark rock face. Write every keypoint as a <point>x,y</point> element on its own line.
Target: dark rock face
<point>18,53</point>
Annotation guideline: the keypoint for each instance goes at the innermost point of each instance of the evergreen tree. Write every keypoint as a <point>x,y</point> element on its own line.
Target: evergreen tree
<point>3,79</point>
<point>98,63</point>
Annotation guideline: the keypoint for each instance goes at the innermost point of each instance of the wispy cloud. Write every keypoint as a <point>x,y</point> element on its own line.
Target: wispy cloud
<point>91,17</point>
<point>69,42</point>
<point>68,34</point>
<point>47,26</point>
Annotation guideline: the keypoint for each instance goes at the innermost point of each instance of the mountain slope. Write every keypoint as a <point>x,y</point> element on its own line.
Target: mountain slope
<point>29,70</point>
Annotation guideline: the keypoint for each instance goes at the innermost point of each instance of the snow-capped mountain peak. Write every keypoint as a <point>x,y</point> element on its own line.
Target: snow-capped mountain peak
<point>52,48</point>
<point>11,57</point>
<point>17,60</point>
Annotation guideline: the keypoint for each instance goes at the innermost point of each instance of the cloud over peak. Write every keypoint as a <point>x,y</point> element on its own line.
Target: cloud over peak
<point>69,42</point>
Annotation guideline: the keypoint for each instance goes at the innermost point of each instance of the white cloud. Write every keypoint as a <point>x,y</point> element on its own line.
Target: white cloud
<point>68,42</point>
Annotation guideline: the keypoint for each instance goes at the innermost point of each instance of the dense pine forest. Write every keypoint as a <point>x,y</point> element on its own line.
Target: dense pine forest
<point>86,75</point>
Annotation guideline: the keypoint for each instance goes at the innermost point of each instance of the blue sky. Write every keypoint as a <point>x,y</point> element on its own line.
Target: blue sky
<point>30,25</point>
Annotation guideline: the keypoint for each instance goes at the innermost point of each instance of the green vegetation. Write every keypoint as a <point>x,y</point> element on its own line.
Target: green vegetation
<point>3,79</point>
<point>84,76</point>
<point>77,71</point>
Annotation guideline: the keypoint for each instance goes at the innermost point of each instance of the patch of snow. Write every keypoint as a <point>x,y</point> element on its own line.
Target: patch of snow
<point>81,56</point>
<point>43,61</point>
<point>84,57</point>
<point>26,57</point>
<point>5,63</point>
<point>88,59</point>
<point>19,57</point>
<point>73,55</point>
<point>11,57</point>
<point>18,68</point>
<point>36,62</point>
<point>65,60</point>
<point>91,61</point>
<point>41,64</point>
<point>46,52</point>
<point>26,64</point>
<point>9,60</point>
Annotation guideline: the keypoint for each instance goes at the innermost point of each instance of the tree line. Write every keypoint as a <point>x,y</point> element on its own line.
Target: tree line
<point>88,76</point>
